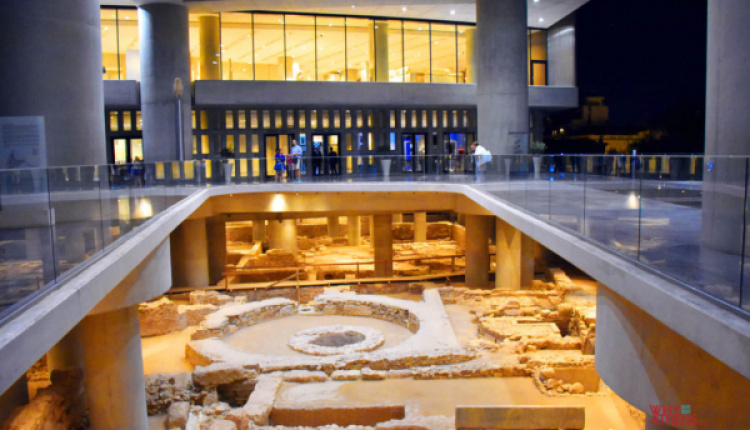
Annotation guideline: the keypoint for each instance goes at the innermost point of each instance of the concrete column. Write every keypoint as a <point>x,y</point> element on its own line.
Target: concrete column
<point>647,363</point>
<point>528,258</point>
<point>420,226</point>
<point>507,257</point>
<point>259,230</point>
<point>727,128</point>
<point>216,233</point>
<point>398,217</point>
<point>282,234</point>
<point>334,227</point>
<point>16,395</point>
<point>471,59</point>
<point>165,55</point>
<point>189,254</point>
<point>381,51</point>
<point>113,363</point>
<point>52,70</point>
<point>355,230</point>
<point>502,75</point>
<point>477,251</point>
<point>383,240</point>
<point>210,50</point>
<point>68,352</point>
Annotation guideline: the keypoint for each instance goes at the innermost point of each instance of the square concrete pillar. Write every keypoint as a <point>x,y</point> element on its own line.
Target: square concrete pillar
<point>478,250</point>
<point>383,242</point>
<point>398,217</point>
<point>216,234</point>
<point>189,254</point>
<point>334,226</point>
<point>354,233</point>
<point>259,230</point>
<point>528,250</point>
<point>420,226</point>
<point>508,256</point>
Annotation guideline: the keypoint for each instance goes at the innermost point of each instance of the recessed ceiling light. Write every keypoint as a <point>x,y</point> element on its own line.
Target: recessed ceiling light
<point>453,12</point>
<point>403,8</point>
<point>353,6</point>
<point>536,1</point>
<point>541,19</point>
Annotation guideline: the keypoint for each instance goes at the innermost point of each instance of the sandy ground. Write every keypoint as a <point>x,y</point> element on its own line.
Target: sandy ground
<point>440,397</point>
<point>166,354</point>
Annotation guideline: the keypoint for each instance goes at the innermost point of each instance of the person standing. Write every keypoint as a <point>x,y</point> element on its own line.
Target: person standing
<point>333,161</point>
<point>278,166</point>
<point>296,154</point>
<point>482,158</point>
<point>317,158</point>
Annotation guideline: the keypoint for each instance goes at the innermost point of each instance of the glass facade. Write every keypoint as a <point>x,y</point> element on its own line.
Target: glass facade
<point>296,47</point>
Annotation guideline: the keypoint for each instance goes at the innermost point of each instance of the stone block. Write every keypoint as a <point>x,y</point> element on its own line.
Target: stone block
<point>223,425</point>
<point>342,416</point>
<point>345,375</point>
<point>161,317</point>
<point>357,310</point>
<point>196,313</point>
<point>177,415</point>
<point>305,376</point>
<point>373,375</point>
<point>520,417</point>
<point>222,373</point>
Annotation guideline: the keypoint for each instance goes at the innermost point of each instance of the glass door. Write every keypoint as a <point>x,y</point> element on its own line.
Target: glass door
<point>326,155</point>
<point>414,149</point>
<point>271,142</point>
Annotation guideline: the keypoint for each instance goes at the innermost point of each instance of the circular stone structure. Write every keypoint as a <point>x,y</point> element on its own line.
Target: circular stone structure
<point>336,340</point>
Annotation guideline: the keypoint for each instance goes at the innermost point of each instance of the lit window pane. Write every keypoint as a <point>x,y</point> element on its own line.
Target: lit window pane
<point>290,119</point>
<point>270,61</point>
<point>204,144</point>
<point>254,144</point>
<point>204,120</point>
<point>241,119</point>
<point>194,43</point>
<point>395,51</point>
<point>127,32</point>
<point>113,122</point>
<point>278,121</point>
<point>417,51</point>
<point>138,120</point>
<point>313,118</point>
<point>360,54</point>
<point>266,119</point>
<point>237,46</point>
<point>229,119</point>
<point>443,53</point>
<point>348,119</point>
<point>336,119</point>
<point>465,53</point>
<point>253,119</point>
<point>300,48</point>
<point>243,144</point>
<point>330,38</point>
<point>538,45</point>
<point>120,151</point>
<point>326,122</point>
<point>359,119</point>
<point>110,62</point>
<point>301,117</point>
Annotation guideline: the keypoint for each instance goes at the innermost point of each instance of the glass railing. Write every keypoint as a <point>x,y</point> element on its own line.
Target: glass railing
<point>683,216</point>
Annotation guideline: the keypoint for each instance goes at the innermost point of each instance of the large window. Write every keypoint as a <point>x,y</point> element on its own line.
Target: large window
<point>298,47</point>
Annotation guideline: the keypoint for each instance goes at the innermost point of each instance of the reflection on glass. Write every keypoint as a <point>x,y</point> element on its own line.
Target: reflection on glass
<point>331,51</point>
<point>300,47</point>
<point>417,51</point>
<point>395,51</point>
<point>237,46</point>
<point>443,53</point>
<point>136,150</point>
<point>392,116</point>
<point>360,53</point>
<point>270,61</point>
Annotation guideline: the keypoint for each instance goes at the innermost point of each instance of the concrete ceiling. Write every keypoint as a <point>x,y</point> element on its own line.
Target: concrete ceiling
<point>542,13</point>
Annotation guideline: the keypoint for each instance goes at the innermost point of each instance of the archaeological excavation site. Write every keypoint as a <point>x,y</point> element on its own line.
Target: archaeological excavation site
<point>424,320</point>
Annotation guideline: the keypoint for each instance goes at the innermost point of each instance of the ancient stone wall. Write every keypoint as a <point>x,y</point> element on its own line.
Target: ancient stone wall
<point>59,406</point>
<point>229,319</point>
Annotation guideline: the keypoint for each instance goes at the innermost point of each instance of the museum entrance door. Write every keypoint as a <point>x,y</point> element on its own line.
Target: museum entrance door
<point>325,164</point>
<point>457,146</point>
<point>414,149</point>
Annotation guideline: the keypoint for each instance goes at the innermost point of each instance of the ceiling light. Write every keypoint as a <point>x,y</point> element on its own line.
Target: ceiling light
<point>353,6</point>
<point>403,8</point>
<point>453,11</point>
<point>536,1</point>
<point>541,19</point>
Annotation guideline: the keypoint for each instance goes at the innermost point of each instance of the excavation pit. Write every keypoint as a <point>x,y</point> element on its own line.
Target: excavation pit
<point>336,340</point>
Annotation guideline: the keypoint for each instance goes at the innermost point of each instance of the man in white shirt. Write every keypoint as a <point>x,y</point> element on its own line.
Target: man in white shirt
<point>296,154</point>
<point>482,158</point>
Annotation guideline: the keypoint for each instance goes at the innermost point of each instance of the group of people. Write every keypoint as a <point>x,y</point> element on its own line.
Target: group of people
<point>292,163</point>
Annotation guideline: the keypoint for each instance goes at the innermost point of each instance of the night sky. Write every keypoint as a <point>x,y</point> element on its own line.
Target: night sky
<point>646,57</point>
